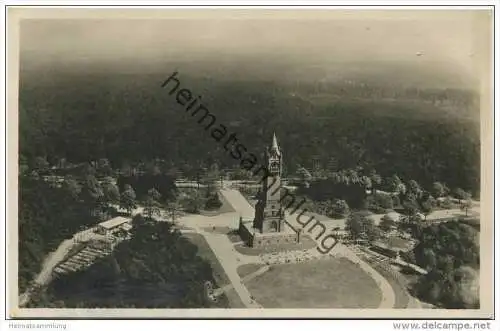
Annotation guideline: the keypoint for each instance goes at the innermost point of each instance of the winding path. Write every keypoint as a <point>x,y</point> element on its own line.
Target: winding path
<point>388,297</point>
<point>224,250</point>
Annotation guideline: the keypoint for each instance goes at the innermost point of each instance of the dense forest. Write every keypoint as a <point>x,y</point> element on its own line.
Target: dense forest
<point>450,252</point>
<point>52,211</point>
<point>415,133</point>
<point>47,216</point>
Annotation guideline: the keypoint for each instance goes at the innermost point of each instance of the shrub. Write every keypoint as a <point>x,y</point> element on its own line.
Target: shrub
<point>213,202</point>
<point>395,201</point>
<point>379,203</point>
<point>446,203</point>
<point>408,257</point>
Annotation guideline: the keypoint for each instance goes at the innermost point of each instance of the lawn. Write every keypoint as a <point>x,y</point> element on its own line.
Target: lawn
<point>206,253</point>
<point>231,299</point>
<point>331,283</point>
<point>305,243</point>
<point>247,269</point>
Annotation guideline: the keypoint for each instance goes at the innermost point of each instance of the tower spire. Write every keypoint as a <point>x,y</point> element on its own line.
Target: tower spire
<point>274,145</point>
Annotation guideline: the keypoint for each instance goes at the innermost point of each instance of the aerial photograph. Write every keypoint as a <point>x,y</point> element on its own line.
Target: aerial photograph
<point>252,159</point>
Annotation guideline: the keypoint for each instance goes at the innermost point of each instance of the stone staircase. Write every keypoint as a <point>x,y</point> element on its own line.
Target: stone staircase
<point>81,260</point>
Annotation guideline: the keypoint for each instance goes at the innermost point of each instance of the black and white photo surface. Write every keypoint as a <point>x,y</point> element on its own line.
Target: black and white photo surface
<point>251,162</point>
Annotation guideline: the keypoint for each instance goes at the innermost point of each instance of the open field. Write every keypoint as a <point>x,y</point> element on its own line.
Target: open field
<point>332,283</point>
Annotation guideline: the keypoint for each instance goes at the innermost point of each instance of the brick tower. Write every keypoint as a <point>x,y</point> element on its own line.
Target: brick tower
<point>269,213</point>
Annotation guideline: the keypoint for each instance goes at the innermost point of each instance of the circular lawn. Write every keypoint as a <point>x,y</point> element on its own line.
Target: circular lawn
<point>330,283</point>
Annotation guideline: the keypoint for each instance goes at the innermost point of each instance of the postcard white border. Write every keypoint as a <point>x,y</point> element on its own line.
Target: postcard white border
<point>14,14</point>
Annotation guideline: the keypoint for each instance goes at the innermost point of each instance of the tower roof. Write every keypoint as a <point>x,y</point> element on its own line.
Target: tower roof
<point>274,146</point>
<point>275,141</point>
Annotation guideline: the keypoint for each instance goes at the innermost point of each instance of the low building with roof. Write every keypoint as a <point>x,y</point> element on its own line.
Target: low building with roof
<point>113,225</point>
<point>392,246</point>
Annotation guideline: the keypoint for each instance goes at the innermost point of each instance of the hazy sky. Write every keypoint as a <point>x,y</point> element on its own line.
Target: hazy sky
<point>315,39</point>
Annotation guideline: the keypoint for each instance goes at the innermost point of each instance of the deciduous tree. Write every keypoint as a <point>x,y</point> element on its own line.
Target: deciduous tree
<point>72,187</point>
<point>427,206</point>
<point>152,205</point>
<point>127,199</point>
<point>104,167</point>
<point>443,249</point>
<point>394,183</point>
<point>415,189</point>
<point>460,194</point>
<point>438,189</point>
<point>387,223</point>
<point>40,164</point>
<point>361,227</point>
<point>23,165</point>
<point>376,181</point>
<point>410,206</point>
<point>174,208</point>
<point>111,191</point>
<point>304,175</point>
<point>340,208</point>
<point>193,202</point>
<point>92,194</point>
